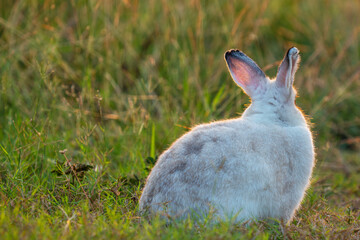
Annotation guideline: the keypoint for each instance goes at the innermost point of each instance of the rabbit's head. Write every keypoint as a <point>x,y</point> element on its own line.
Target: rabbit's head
<point>268,96</point>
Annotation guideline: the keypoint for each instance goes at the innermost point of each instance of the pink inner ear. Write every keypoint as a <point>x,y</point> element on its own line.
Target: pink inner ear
<point>281,76</point>
<point>287,68</point>
<point>242,74</point>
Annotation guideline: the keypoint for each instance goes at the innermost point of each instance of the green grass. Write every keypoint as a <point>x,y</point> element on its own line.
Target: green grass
<point>116,82</point>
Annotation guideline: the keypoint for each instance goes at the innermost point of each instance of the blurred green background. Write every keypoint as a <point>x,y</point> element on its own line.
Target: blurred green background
<point>116,82</point>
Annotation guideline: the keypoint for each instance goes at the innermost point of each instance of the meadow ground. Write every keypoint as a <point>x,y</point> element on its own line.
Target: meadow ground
<point>116,82</point>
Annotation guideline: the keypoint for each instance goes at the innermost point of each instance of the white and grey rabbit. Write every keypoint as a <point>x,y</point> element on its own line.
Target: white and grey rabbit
<point>257,166</point>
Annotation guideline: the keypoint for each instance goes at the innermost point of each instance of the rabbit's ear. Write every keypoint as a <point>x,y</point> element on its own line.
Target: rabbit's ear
<point>245,72</point>
<point>287,68</point>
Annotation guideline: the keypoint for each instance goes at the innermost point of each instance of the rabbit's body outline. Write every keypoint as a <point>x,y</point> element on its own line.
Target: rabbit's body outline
<point>220,165</point>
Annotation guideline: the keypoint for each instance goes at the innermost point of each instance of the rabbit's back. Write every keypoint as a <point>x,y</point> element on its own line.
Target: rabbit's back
<point>235,166</point>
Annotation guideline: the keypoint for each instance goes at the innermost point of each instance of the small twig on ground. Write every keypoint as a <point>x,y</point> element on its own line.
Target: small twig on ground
<point>68,161</point>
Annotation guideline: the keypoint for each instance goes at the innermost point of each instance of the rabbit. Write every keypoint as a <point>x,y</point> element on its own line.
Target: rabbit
<point>255,167</point>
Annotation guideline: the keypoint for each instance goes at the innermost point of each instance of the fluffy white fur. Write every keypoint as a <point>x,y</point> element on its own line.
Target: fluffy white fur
<point>257,166</point>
